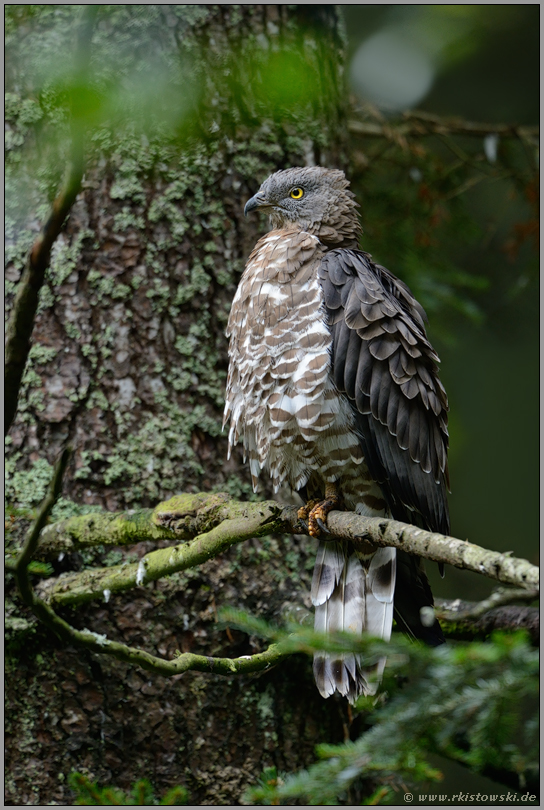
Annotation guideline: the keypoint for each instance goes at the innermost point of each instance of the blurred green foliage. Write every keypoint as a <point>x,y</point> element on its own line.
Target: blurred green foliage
<point>141,795</point>
<point>473,703</point>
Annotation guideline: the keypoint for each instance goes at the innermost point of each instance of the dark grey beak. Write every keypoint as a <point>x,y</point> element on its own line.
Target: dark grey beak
<point>257,201</point>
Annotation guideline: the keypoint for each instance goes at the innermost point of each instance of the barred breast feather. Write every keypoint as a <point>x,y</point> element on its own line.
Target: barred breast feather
<point>281,400</point>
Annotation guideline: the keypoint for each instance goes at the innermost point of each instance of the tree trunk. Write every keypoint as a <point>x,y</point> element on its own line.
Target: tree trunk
<point>129,363</point>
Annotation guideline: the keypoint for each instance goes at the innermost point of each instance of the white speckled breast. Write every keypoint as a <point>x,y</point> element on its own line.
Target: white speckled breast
<point>281,400</point>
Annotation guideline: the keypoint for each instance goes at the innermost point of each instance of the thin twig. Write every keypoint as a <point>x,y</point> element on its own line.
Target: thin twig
<point>456,609</point>
<point>420,124</point>
<point>27,552</point>
<point>23,312</point>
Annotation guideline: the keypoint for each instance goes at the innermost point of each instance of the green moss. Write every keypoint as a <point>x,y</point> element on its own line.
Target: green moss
<point>159,294</point>
<point>97,399</point>
<point>155,456</point>
<point>65,256</point>
<point>41,355</point>
<point>238,489</point>
<point>128,186</point>
<point>108,287</point>
<point>47,298</point>
<point>64,509</point>
<point>198,283</point>
<point>27,487</point>
<point>18,629</point>
<point>72,330</point>
<point>127,220</point>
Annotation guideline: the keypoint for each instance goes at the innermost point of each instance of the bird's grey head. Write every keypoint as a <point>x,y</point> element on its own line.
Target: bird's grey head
<point>314,199</point>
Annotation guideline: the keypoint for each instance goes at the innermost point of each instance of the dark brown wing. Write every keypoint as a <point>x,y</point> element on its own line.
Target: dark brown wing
<point>385,364</point>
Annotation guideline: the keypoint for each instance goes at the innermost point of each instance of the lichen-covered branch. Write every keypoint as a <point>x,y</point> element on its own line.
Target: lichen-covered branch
<point>160,666</point>
<point>187,515</point>
<point>225,523</point>
<point>505,618</point>
<point>227,526</point>
<point>472,620</point>
<point>457,609</point>
<point>216,523</point>
<point>433,546</point>
<point>21,320</point>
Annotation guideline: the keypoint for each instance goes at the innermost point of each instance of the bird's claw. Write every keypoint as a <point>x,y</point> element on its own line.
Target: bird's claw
<point>323,526</point>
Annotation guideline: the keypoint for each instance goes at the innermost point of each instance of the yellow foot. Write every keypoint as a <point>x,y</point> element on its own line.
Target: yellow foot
<point>315,512</point>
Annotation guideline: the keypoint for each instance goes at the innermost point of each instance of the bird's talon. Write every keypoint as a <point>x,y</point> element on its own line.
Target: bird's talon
<point>322,526</point>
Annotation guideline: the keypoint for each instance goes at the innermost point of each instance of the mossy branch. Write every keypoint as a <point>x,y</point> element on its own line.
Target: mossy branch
<point>227,523</point>
<point>21,320</point>
<point>215,523</point>
<point>99,643</point>
<point>218,523</point>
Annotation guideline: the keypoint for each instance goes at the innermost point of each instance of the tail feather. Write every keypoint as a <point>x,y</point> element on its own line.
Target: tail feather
<point>344,609</point>
<point>379,619</point>
<point>346,597</point>
<point>380,591</point>
<point>328,568</point>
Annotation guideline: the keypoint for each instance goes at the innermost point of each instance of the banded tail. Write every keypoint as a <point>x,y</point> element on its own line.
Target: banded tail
<point>353,595</point>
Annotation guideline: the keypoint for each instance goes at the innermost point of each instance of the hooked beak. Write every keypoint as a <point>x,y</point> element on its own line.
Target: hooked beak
<point>257,201</point>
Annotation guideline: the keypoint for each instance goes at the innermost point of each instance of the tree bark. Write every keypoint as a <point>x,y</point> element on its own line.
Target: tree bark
<point>129,361</point>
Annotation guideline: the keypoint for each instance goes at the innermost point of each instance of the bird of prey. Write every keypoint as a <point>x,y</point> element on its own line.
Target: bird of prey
<point>333,388</point>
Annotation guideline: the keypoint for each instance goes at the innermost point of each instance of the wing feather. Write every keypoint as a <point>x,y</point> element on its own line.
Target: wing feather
<point>383,361</point>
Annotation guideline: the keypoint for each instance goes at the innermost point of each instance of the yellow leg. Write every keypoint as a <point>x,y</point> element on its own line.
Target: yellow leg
<point>316,511</point>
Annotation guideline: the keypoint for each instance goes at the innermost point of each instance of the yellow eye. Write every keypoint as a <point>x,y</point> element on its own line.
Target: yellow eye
<point>297,193</point>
